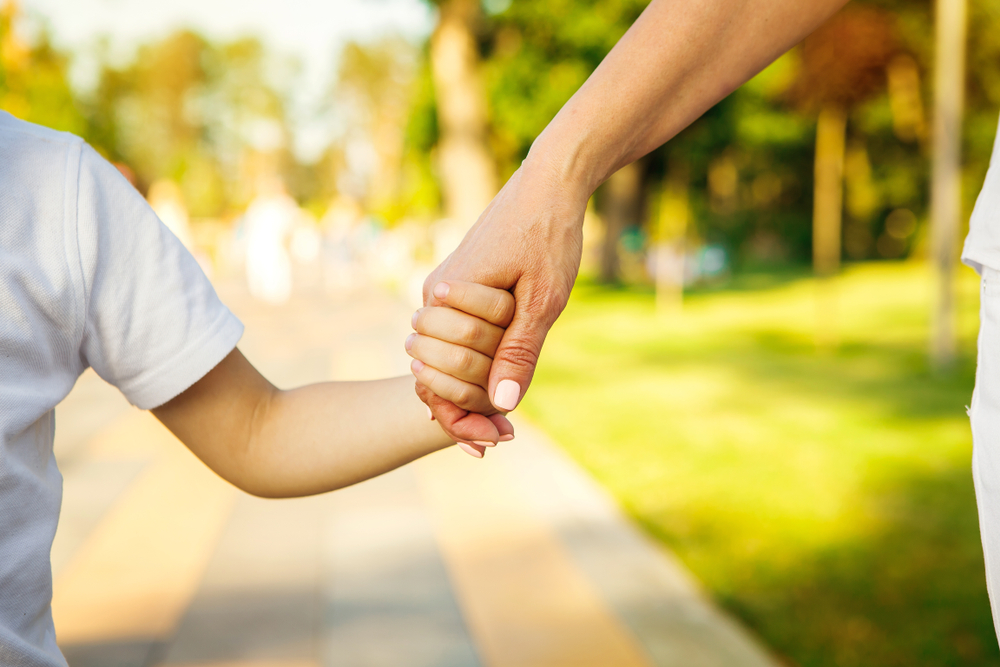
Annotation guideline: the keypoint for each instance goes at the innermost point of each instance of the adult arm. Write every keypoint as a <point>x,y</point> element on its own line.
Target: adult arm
<point>677,60</point>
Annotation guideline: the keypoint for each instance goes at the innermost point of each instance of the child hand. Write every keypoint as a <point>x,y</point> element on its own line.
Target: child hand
<point>453,346</point>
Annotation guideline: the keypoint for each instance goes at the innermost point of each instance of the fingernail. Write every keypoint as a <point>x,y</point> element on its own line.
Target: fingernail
<point>413,320</point>
<point>430,415</point>
<point>416,366</point>
<point>485,443</point>
<point>507,394</point>
<point>506,437</point>
<point>471,451</point>
<point>409,341</point>
<point>441,290</point>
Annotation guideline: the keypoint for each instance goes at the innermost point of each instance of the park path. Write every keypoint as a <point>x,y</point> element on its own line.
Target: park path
<point>519,560</point>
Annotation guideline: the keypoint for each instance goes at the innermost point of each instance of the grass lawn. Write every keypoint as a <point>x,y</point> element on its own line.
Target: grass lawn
<point>823,496</point>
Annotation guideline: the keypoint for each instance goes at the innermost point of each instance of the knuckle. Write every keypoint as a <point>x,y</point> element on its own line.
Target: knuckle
<point>544,301</point>
<point>519,353</point>
<point>429,377</point>
<point>463,358</point>
<point>463,397</point>
<point>468,333</point>
<point>504,307</point>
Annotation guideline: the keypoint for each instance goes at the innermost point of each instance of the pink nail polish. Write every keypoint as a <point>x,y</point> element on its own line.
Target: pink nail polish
<point>485,443</point>
<point>409,341</point>
<point>507,395</point>
<point>471,451</point>
<point>506,437</point>
<point>441,290</point>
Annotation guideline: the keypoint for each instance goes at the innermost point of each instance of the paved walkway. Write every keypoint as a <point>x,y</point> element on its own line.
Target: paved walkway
<point>518,560</point>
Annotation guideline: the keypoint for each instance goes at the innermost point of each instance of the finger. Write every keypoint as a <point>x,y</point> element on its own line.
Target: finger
<point>467,396</point>
<point>517,355</point>
<point>460,425</point>
<point>504,427</point>
<point>496,306</point>
<point>432,279</point>
<point>453,326</point>
<point>476,451</point>
<point>460,362</point>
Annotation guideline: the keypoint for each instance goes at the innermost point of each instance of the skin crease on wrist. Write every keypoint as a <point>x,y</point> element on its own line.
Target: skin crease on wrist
<point>677,60</point>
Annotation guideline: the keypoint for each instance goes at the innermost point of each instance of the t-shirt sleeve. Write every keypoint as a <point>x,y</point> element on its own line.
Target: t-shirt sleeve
<point>154,324</point>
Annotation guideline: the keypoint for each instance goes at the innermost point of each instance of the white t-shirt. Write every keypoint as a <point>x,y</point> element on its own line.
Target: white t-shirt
<point>982,245</point>
<point>89,277</point>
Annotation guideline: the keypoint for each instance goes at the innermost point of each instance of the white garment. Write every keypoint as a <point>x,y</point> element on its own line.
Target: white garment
<point>982,245</point>
<point>982,252</point>
<point>88,277</point>
<point>984,413</point>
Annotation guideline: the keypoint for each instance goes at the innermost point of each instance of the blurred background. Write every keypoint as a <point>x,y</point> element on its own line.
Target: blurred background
<point>770,347</point>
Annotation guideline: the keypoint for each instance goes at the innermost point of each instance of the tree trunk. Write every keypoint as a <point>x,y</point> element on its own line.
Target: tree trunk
<point>949,88</point>
<point>621,203</point>
<point>669,242</point>
<point>468,173</point>
<point>828,190</point>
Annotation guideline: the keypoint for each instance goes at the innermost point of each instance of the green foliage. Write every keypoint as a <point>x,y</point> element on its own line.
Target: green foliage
<point>419,194</point>
<point>33,81</point>
<point>825,498</point>
<point>383,96</point>
<point>536,55</point>
<point>191,111</point>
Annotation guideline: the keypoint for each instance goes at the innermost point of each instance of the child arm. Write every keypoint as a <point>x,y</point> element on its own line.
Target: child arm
<point>303,441</point>
<point>321,437</point>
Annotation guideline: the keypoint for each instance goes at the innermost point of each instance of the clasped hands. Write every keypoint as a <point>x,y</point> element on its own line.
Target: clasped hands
<point>453,348</point>
<point>488,307</point>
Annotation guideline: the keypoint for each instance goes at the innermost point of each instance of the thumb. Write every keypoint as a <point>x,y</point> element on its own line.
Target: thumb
<point>516,357</point>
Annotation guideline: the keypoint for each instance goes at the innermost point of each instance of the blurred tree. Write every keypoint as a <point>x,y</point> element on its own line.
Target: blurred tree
<point>668,237</point>
<point>372,97</point>
<point>33,77</point>
<point>949,89</point>
<point>752,158</point>
<point>621,207</point>
<point>468,171</point>
<point>203,115</point>
<point>419,193</point>
<point>536,55</point>
<point>843,64</point>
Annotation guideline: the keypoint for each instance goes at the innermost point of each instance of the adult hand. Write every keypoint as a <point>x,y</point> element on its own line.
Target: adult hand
<point>675,62</point>
<point>527,241</point>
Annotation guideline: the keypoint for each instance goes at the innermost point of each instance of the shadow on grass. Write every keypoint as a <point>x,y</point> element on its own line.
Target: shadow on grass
<point>912,592</point>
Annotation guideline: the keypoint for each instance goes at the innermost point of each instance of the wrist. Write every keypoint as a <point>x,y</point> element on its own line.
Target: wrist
<point>565,166</point>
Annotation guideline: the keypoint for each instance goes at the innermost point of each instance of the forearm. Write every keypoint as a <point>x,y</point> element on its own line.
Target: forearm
<point>303,441</point>
<point>677,60</point>
<point>326,436</point>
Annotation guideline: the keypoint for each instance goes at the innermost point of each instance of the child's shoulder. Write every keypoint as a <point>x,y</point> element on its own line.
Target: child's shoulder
<point>36,162</point>
<point>14,132</point>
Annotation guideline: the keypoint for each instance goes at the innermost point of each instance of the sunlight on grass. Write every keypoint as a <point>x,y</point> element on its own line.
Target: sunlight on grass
<point>822,495</point>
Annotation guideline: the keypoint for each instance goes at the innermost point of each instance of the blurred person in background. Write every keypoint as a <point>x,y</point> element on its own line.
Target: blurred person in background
<point>269,220</point>
<point>167,202</point>
<point>675,62</point>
